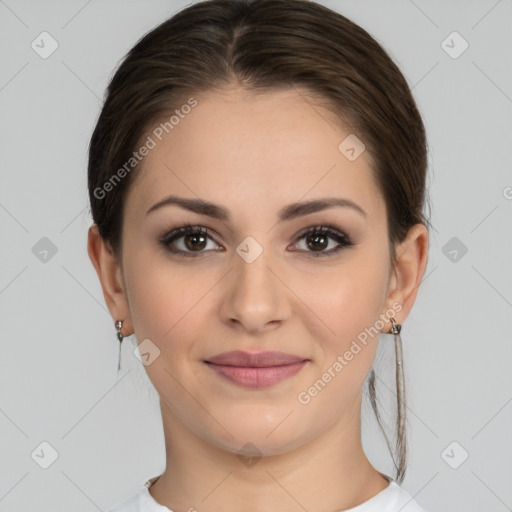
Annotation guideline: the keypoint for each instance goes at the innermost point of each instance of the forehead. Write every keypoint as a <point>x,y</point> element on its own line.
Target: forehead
<point>238,146</point>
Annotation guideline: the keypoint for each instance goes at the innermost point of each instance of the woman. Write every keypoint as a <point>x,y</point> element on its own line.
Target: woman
<point>257,183</point>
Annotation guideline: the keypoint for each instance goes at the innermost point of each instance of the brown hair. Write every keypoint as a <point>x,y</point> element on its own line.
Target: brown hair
<point>266,45</point>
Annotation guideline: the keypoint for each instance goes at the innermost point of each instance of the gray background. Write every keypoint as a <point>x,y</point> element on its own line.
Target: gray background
<point>58,370</point>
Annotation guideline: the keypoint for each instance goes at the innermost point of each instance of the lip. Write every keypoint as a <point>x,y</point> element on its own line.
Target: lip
<point>256,369</point>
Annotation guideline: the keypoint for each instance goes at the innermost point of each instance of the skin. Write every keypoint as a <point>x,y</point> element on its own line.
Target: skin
<point>253,155</point>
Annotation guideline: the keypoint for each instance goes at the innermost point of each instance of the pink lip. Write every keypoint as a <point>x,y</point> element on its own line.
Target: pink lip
<point>256,370</point>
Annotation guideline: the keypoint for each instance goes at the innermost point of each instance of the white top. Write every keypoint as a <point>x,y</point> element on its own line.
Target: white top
<point>392,499</point>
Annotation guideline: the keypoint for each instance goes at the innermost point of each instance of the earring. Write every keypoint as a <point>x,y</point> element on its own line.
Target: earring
<point>119,325</point>
<point>400,394</point>
<point>395,328</point>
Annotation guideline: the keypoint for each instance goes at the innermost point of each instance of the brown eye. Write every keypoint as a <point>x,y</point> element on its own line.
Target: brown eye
<point>187,240</point>
<point>195,241</point>
<point>318,239</point>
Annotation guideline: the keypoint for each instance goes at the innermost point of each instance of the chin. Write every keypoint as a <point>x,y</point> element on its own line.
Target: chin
<point>260,437</point>
<point>262,446</point>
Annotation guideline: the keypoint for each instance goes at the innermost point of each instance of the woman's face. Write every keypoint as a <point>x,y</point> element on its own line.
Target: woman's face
<point>254,282</point>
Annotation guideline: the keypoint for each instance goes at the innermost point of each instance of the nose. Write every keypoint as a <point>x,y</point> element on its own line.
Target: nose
<point>256,298</point>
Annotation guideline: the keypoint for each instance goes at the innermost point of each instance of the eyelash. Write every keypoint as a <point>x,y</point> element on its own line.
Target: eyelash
<point>325,229</point>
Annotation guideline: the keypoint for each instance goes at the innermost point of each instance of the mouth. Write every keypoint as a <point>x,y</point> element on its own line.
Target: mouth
<point>257,369</point>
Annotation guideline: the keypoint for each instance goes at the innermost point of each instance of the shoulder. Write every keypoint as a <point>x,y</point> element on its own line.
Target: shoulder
<point>391,499</point>
<point>404,501</point>
<point>142,501</point>
<point>131,505</point>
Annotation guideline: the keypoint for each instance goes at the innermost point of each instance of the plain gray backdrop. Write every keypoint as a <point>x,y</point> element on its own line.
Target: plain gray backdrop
<point>62,404</point>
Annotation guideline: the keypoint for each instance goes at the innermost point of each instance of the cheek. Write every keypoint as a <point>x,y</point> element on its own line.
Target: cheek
<point>349,304</point>
<point>167,307</point>
<point>350,298</point>
<point>172,306</point>
<point>348,301</point>
<point>164,301</point>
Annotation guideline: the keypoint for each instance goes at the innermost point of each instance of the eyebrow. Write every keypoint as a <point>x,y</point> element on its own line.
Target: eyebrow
<point>287,213</point>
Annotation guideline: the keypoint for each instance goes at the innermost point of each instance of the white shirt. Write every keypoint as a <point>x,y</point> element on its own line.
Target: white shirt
<point>392,499</point>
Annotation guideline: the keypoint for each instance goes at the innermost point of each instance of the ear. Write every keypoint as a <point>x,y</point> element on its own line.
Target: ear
<point>412,256</point>
<point>110,275</point>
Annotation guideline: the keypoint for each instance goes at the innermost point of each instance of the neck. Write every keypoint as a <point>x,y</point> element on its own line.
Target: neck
<point>330,472</point>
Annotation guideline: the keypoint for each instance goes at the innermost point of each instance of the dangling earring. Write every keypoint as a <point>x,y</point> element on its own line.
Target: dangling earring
<point>400,394</point>
<point>395,328</point>
<point>119,325</point>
